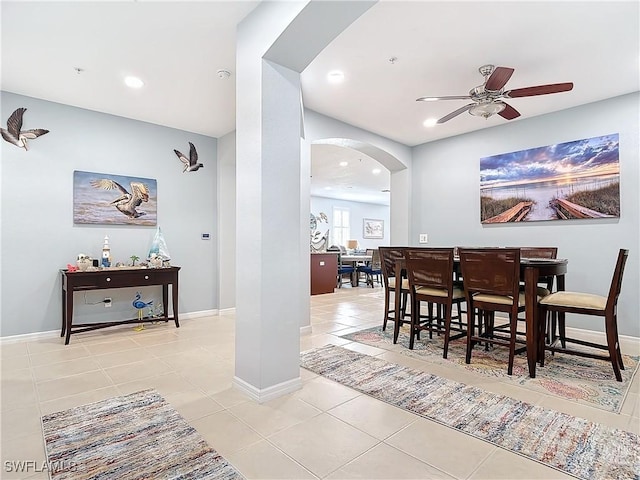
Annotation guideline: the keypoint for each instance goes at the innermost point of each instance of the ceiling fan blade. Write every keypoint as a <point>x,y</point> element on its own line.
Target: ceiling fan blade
<point>498,79</point>
<point>509,113</point>
<point>539,90</point>
<point>455,113</point>
<point>451,97</point>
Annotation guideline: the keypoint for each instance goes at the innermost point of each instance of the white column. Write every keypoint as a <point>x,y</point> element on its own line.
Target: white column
<point>274,44</point>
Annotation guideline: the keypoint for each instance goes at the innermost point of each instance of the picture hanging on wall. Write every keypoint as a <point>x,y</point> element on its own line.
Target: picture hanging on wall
<point>100,198</point>
<point>372,228</point>
<point>572,180</point>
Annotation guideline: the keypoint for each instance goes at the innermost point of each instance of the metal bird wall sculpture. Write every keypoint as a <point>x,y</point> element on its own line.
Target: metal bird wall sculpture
<point>14,133</point>
<point>126,202</point>
<point>190,164</point>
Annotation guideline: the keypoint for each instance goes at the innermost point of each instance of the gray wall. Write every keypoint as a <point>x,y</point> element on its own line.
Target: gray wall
<point>38,235</point>
<point>446,200</point>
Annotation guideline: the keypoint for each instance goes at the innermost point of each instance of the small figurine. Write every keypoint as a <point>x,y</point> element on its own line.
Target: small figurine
<point>71,268</point>
<point>155,261</point>
<point>83,262</point>
<point>106,252</point>
<point>140,305</point>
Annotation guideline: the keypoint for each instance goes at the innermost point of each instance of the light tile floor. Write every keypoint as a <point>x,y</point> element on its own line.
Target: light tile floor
<point>324,430</point>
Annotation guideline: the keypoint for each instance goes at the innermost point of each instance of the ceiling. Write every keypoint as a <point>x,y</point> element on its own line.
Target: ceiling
<point>177,48</point>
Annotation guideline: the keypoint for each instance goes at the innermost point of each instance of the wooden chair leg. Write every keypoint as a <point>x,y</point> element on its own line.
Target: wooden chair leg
<point>612,344</point>
<point>471,321</point>
<point>415,321</point>
<point>447,329</point>
<point>386,310</point>
<point>513,320</point>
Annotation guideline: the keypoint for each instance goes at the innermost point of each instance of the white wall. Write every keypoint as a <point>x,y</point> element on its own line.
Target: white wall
<point>357,212</point>
<point>446,200</point>
<point>38,234</point>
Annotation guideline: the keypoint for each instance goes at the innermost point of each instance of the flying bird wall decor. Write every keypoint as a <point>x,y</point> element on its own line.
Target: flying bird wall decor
<point>190,164</point>
<point>14,133</point>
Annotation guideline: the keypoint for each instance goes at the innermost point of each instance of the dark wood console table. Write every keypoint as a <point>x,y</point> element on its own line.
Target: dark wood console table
<point>116,278</point>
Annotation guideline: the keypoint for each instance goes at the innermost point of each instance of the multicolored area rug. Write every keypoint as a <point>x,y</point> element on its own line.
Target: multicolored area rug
<point>573,445</point>
<point>583,380</point>
<point>136,436</point>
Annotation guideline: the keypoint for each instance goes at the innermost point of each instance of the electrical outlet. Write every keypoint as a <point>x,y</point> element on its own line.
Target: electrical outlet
<point>107,302</point>
<point>424,238</point>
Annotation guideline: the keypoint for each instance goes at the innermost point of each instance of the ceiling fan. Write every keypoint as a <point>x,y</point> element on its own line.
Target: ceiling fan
<point>488,98</point>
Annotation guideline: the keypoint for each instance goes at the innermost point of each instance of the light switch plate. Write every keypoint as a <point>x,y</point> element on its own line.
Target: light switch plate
<point>424,238</point>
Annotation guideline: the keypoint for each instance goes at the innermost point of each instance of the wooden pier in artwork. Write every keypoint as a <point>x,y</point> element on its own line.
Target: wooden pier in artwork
<point>514,214</point>
<point>565,210</point>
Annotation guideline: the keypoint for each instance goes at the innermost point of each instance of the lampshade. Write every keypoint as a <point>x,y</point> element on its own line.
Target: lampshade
<point>352,244</point>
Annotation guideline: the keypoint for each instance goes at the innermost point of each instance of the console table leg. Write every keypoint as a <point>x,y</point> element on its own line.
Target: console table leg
<point>64,312</point>
<point>69,315</point>
<point>174,294</point>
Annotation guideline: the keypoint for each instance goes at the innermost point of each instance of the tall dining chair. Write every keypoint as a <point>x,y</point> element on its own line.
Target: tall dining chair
<point>394,282</point>
<point>343,269</point>
<point>430,275</point>
<point>372,269</point>
<point>589,304</point>
<point>492,284</point>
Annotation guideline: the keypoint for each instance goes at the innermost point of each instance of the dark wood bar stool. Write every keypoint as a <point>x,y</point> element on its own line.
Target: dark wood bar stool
<point>392,282</point>
<point>589,304</point>
<point>430,274</point>
<point>492,284</point>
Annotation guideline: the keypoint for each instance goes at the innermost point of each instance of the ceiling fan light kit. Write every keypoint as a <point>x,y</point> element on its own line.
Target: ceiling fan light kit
<point>488,97</point>
<point>487,109</point>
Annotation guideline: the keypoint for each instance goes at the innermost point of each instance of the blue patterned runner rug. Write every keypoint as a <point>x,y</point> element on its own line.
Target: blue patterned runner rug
<point>136,436</point>
<point>572,445</point>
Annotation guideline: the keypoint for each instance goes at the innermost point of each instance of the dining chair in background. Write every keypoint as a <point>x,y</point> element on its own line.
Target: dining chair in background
<point>588,304</point>
<point>430,275</point>
<point>545,286</point>
<point>373,268</point>
<point>389,256</point>
<point>492,284</point>
<point>343,269</point>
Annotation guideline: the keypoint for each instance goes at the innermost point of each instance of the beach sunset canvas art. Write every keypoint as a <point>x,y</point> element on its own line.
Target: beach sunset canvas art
<point>572,180</point>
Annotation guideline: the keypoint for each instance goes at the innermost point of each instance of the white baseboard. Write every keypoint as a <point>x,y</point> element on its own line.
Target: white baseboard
<point>227,311</point>
<point>28,337</point>
<point>306,330</point>
<point>270,393</point>
<point>201,313</point>
<point>628,345</point>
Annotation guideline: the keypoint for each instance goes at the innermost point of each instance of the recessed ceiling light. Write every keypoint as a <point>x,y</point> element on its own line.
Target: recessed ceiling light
<point>133,82</point>
<point>335,77</point>
<point>376,171</point>
<point>430,122</point>
<point>343,164</point>
<point>328,188</point>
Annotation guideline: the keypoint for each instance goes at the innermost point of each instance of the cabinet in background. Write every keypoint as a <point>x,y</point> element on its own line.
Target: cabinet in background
<point>324,272</point>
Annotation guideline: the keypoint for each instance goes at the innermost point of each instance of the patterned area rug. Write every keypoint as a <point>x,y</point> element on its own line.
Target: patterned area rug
<point>136,436</point>
<point>573,445</point>
<point>583,380</point>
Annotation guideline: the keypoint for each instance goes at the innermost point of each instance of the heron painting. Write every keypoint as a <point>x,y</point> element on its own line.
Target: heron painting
<point>101,198</point>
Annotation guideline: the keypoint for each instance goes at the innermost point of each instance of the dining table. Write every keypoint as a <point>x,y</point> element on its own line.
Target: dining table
<point>531,270</point>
